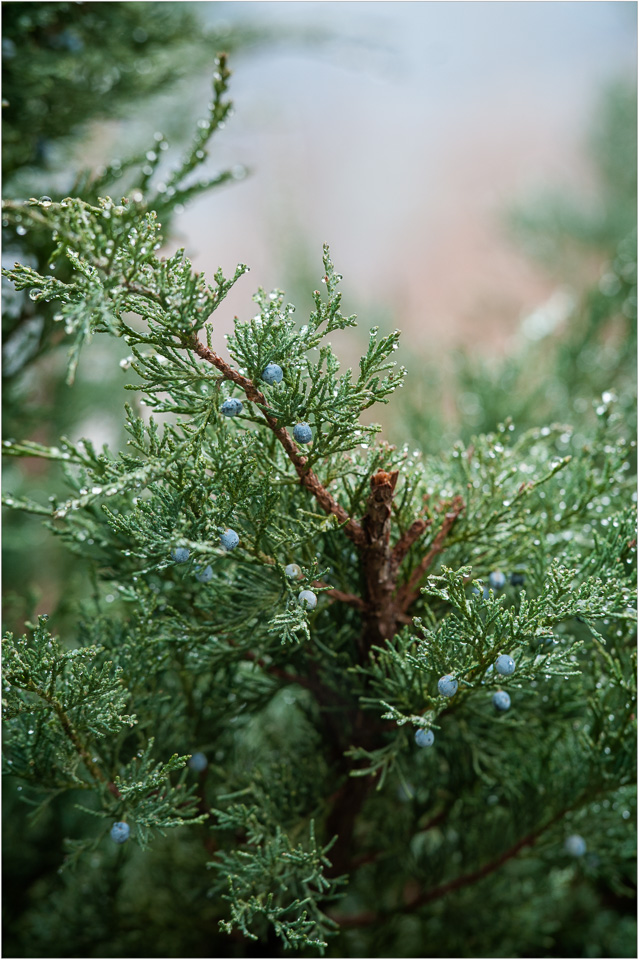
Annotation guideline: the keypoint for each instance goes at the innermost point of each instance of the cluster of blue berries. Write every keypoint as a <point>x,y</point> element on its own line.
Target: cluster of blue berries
<point>229,540</point>
<point>273,373</point>
<point>504,665</point>
<point>120,832</point>
<point>306,598</point>
<point>447,685</point>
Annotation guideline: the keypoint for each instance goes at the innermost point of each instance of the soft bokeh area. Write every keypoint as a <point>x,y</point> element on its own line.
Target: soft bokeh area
<point>402,134</point>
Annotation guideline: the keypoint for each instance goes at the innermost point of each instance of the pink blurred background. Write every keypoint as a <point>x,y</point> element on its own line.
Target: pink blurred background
<point>399,133</point>
<point>401,143</point>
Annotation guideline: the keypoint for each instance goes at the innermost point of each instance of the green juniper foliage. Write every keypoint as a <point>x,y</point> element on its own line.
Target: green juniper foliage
<point>33,337</point>
<point>318,824</point>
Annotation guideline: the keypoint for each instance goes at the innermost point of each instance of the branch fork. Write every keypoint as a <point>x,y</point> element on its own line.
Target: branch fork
<point>383,605</point>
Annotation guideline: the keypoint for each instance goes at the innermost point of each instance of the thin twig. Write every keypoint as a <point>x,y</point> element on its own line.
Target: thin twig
<point>308,479</point>
<point>405,542</point>
<point>368,917</point>
<point>409,592</point>
<point>468,878</point>
<point>78,746</point>
<point>351,598</point>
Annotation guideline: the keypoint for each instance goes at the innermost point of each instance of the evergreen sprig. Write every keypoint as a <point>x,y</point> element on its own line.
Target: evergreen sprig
<point>271,879</point>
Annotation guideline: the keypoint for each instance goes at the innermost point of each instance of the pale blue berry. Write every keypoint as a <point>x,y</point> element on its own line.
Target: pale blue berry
<point>231,407</point>
<point>505,665</point>
<point>272,374</point>
<point>575,845</point>
<point>302,433</point>
<point>501,700</point>
<point>120,832</point>
<point>198,762</point>
<point>307,600</point>
<point>293,571</point>
<point>204,575</point>
<point>229,539</point>
<point>424,738</point>
<point>447,685</point>
<point>180,554</point>
<point>497,580</point>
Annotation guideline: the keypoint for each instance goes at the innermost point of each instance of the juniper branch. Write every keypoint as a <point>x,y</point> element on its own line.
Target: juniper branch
<point>365,918</point>
<point>72,735</point>
<point>380,619</point>
<point>306,476</point>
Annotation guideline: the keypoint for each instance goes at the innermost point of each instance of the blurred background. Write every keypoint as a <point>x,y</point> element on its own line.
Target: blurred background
<point>472,166</point>
<point>402,134</point>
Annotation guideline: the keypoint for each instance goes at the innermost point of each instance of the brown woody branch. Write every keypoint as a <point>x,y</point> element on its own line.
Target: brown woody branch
<point>380,619</point>
<point>409,592</point>
<point>374,855</point>
<point>368,917</point>
<point>351,598</point>
<point>308,479</point>
<point>406,541</point>
<point>382,609</point>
